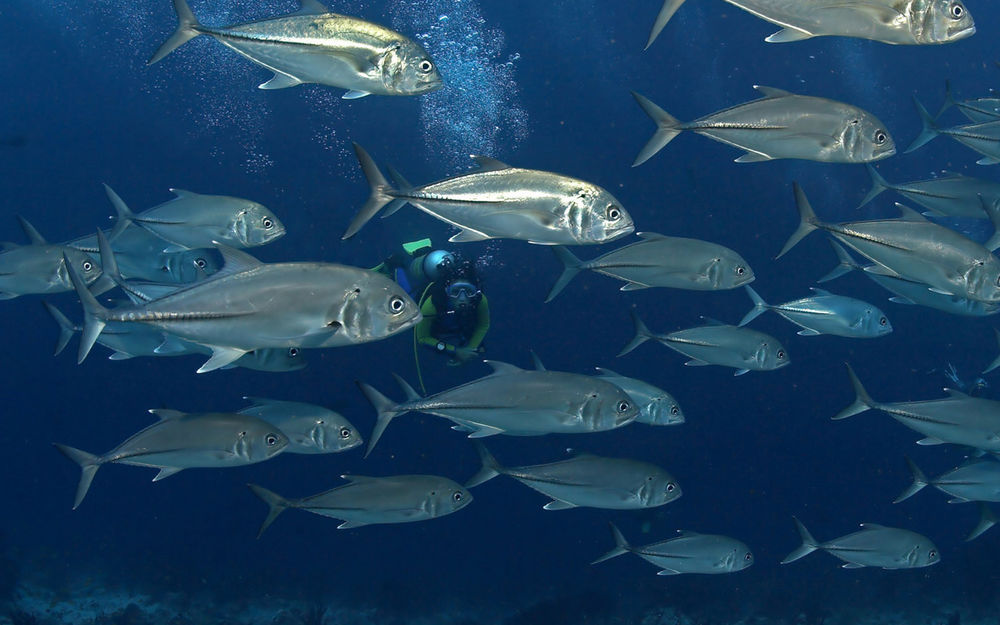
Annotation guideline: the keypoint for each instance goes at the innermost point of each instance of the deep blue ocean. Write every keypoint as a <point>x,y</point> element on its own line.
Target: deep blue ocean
<point>538,84</point>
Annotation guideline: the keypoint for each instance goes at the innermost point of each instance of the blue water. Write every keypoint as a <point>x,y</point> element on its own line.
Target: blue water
<point>543,85</point>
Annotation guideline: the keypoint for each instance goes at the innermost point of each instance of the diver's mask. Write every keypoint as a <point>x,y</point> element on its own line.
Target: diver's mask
<point>462,294</point>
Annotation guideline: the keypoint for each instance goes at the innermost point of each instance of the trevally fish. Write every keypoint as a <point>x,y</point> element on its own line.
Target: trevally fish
<point>717,344</point>
<point>983,137</point>
<point>185,441</point>
<point>975,480</point>
<point>914,248</point>
<point>250,305</point>
<point>690,552</point>
<point>906,22</point>
<point>193,220</point>
<point>952,195</point>
<point>586,480</point>
<point>311,429</point>
<point>977,110</point>
<point>515,401</point>
<point>662,261</point>
<point>139,255</point>
<point>41,267</point>
<point>498,201</point>
<point>781,124</point>
<point>826,313</point>
<point>958,419</point>
<point>911,292</point>
<point>875,545</point>
<point>371,500</point>
<point>313,45</point>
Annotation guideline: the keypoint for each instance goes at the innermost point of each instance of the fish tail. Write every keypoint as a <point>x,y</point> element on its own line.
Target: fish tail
<point>381,192</point>
<point>668,127</point>
<point>808,546</point>
<point>125,215</point>
<point>919,481</point>
<point>846,264</point>
<point>571,267</point>
<point>949,99</point>
<point>862,402</point>
<point>621,545</point>
<point>66,328</point>
<point>642,334</point>
<point>276,505</point>
<point>94,314</point>
<point>807,220</point>
<point>89,464</point>
<point>666,12</point>
<point>993,365</point>
<point>929,131</point>
<point>759,306</point>
<point>387,410</point>
<point>187,29</point>
<point>987,519</point>
<point>491,468</point>
<point>402,184</point>
<point>879,185</point>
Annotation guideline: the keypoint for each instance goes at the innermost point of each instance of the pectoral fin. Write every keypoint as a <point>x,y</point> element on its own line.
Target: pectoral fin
<point>221,356</point>
<point>280,81</point>
<point>786,35</point>
<point>468,236</point>
<point>559,505</point>
<point>166,472</point>
<point>354,94</point>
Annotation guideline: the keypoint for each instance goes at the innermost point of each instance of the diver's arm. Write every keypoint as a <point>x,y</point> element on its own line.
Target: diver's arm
<point>423,329</point>
<point>482,324</point>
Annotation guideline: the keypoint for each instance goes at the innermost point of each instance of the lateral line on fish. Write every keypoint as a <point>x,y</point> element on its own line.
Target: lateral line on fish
<point>125,317</point>
<point>915,417</point>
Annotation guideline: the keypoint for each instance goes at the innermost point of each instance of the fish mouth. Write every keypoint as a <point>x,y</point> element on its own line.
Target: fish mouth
<point>428,86</point>
<point>963,34</point>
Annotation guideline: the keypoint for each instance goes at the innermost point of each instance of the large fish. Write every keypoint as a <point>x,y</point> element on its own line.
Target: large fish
<point>662,261</point>
<point>656,406</point>
<point>586,480</point>
<point>250,305</point>
<point>781,125</point>
<point>185,441</point>
<point>690,552</point>
<point>311,429</point>
<point>958,419</point>
<point>313,45</point>
<point>952,195</point>
<point>975,480</point>
<point>515,401</point>
<point>42,267</point>
<point>907,22</point>
<point>139,255</point>
<point>498,201</point>
<point>826,313</point>
<point>875,545</point>
<point>983,137</point>
<point>193,220</point>
<point>371,500</point>
<point>913,248</point>
<point>717,344</point>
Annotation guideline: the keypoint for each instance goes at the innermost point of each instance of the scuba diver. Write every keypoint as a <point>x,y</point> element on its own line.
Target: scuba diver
<point>972,386</point>
<point>448,291</point>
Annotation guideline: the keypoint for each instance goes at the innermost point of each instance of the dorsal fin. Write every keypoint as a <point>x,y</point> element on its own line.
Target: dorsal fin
<point>487,163</point>
<point>819,291</point>
<point>650,236</point>
<point>908,214</point>
<point>537,361</point>
<point>954,393</point>
<point>31,232</point>
<point>503,368</point>
<point>184,193</point>
<point>712,321</point>
<point>873,526</point>
<point>165,414</point>
<point>234,261</point>
<point>311,7</point>
<point>360,479</point>
<point>604,371</point>
<point>772,92</point>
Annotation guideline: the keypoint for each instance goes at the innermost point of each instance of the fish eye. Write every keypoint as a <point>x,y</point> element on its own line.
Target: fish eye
<point>268,223</point>
<point>740,270</point>
<point>882,321</point>
<point>457,496</point>
<point>614,213</point>
<point>345,433</point>
<point>87,265</point>
<point>271,440</point>
<point>781,354</point>
<point>880,137</point>
<point>200,263</point>
<point>932,553</point>
<point>396,305</point>
<point>623,406</point>
<point>671,487</point>
<point>674,410</point>
<point>957,11</point>
<point>425,66</point>
<point>748,556</point>
<point>242,434</point>
<point>293,351</point>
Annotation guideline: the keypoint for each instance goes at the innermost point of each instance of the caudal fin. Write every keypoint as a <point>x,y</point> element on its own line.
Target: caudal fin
<point>846,264</point>
<point>919,481</point>
<point>642,334</point>
<point>668,127</point>
<point>187,29</point>
<point>387,410</point>
<point>666,12</point>
<point>66,328</point>
<point>381,192</point>
<point>275,502</point>
<point>987,519</point>
<point>621,545</point>
<point>808,546</point>
<point>93,313</point>
<point>89,464</point>
<point>862,401</point>
<point>929,131</point>
<point>571,267</point>
<point>491,468</point>
<point>759,306</point>
<point>807,220</point>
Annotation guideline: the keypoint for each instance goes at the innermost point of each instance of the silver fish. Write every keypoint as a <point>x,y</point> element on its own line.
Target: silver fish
<point>515,401</point>
<point>977,110</point>
<point>958,419</point>
<point>690,552</point>
<point>313,45</point>
<point>781,124</point>
<point>983,137</point>
<point>139,255</point>
<point>906,22</point>
<point>498,201</point>
<point>662,261</point>
<point>952,195</point>
<point>656,406</point>
<point>717,344</point>
<point>372,500</point>
<point>250,305</point>
<point>586,480</point>
<point>913,248</point>
<point>975,480</point>
<point>311,429</point>
<point>826,313</point>
<point>910,292</point>
<point>185,441</point>
<point>192,220</point>
<point>41,267</point>
<point>875,545</point>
